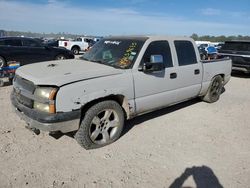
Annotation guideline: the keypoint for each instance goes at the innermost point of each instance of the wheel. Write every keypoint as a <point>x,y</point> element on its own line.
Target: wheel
<point>2,62</point>
<point>60,57</point>
<point>214,90</point>
<point>102,124</point>
<point>75,50</point>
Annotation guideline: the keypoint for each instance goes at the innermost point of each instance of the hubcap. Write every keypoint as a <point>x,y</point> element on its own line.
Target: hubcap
<point>104,127</point>
<point>60,57</point>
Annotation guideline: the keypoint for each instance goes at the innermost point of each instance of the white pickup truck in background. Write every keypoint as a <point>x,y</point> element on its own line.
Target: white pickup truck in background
<point>119,78</point>
<point>80,44</point>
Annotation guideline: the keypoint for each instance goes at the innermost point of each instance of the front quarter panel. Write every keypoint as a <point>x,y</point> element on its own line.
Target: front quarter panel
<point>75,95</point>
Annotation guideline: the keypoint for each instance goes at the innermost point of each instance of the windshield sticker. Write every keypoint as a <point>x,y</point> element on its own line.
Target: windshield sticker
<point>128,56</point>
<point>112,42</point>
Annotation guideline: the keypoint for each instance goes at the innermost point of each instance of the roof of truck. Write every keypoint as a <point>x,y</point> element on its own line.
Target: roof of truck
<point>145,37</point>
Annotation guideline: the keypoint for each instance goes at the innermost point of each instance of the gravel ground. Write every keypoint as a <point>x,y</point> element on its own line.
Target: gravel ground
<point>192,144</point>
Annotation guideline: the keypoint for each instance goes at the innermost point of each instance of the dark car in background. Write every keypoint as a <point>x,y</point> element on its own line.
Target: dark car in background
<point>52,43</point>
<point>239,52</point>
<point>29,50</point>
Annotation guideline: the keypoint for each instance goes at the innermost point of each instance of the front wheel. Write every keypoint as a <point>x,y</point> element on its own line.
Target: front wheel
<point>102,124</point>
<point>214,90</point>
<point>60,57</point>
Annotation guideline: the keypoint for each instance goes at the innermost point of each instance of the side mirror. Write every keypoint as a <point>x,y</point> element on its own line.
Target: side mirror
<point>155,64</point>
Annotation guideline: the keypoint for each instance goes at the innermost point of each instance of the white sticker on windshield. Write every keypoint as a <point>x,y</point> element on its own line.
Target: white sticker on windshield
<point>112,42</point>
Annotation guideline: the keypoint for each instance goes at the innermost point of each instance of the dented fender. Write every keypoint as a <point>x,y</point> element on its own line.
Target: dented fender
<point>74,96</point>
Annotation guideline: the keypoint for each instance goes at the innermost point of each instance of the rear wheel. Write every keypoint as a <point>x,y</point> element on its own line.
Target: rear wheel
<point>60,57</point>
<point>2,62</point>
<point>214,90</point>
<point>102,124</point>
<point>75,50</point>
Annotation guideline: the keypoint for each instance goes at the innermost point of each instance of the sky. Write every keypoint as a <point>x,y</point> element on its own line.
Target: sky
<point>127,17</point>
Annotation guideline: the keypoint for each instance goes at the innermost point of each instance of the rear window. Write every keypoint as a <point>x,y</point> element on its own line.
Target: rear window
<point>30,43</point>
<point>236,46</point>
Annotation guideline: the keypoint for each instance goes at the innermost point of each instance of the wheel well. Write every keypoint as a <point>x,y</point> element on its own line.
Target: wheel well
<point>222,76</point>
<point>120,99</point>
<point>75,46</point>
<point>59,55</point>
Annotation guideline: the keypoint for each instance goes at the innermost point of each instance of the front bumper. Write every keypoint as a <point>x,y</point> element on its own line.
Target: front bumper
<point>64,121</point>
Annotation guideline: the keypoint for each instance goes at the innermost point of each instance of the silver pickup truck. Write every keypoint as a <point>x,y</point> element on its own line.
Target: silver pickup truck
<point>119,78</point>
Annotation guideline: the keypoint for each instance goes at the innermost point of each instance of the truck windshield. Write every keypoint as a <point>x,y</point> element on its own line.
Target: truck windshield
<point>115,52</point>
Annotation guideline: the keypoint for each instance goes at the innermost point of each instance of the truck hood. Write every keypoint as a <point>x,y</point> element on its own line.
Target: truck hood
<point>62,72</point>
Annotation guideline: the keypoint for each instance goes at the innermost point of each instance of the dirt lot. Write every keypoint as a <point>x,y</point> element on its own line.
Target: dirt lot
<point>192,144</point>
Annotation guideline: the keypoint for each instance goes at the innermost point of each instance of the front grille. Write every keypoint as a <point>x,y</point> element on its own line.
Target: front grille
<point>22,87</point>
<point>24,84</point>
<point>23,100</point>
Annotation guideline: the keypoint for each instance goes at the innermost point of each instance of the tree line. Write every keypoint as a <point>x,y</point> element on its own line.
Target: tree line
<point>38,35</point>
<point>195,36</point>
<point>221,38</point>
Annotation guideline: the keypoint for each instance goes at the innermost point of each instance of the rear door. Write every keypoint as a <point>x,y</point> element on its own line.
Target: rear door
<point>35,52</point>
<point>189,71</point>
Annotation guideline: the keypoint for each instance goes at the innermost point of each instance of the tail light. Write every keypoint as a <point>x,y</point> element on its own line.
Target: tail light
<point>65,43</point>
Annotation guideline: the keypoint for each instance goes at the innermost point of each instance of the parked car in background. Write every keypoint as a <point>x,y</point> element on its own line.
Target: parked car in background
<point>80,44</point>
<point>28,50</point>
<point>239,52</point>
<point>52,43</point>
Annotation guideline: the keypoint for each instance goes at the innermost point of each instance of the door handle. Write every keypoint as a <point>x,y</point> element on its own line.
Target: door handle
<point>173,75</point>
<point>197,71</point>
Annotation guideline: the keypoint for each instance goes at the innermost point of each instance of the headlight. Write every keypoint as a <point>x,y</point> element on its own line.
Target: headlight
<point>44,99</point>
<point>41,107</point>
<point>45,92</point>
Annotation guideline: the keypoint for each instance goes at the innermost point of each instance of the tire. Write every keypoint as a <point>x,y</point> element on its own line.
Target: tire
<point>2,62</point>
<point>75,50</point>
<point>60,57</point>
<point>214,90</point>
<point>102,125</point>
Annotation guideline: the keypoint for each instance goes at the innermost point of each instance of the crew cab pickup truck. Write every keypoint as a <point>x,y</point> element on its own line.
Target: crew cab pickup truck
<point>118,79</point>
<point>80,44</point>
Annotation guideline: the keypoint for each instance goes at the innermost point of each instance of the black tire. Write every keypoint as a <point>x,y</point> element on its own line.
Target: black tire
<point>102,125</point>
<point>2,62</point>
<point>214,90</point>
<point>75,50</point>
<point>60,57</point>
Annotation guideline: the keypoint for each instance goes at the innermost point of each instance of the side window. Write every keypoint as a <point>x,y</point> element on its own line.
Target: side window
<point>159,48</point>
<point>30,43</point>
<point>13,42</point>
<point>185,53</point>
